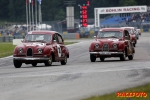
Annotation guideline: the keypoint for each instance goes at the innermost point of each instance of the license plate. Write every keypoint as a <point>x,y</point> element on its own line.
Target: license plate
<point>106,53</point>
<point>29,58</point>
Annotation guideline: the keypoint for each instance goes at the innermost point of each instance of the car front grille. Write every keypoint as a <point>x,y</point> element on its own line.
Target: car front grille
<point>29,52</point>
<point>105,47</point>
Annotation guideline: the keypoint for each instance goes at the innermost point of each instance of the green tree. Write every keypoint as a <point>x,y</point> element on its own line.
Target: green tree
<point>11,10</point>
<point>127,3</point>
<point>61,15</point>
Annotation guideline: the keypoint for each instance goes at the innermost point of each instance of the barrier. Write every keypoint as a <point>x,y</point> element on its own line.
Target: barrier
<point>6,38</point>
<point>71,36</point>
<point>17,41</point>
<point>77,36</point>
<point>141,30</point>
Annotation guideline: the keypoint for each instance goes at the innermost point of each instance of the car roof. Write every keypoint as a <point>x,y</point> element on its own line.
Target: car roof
<point>42,32</point>
<point>129,27</point>
<point>112,29</point>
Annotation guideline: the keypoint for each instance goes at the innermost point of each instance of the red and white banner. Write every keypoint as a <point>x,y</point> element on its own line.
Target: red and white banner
<point>114,10</point>
<point>127,9</point>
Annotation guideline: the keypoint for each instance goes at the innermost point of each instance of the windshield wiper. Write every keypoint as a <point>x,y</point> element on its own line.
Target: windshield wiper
<point>29,41</point>
<point>113,36</point>
<point>40,41</point>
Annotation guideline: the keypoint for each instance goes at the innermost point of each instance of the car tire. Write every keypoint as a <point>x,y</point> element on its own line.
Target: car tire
<point>49,61</point>
<point>134,44</point>
<point>34,64</point>
<point>92,58</point>
<point>123,56</point>
<point>63,62</point>
<point>130,57</point>
<point>17,63</point>
<point>102,58</point>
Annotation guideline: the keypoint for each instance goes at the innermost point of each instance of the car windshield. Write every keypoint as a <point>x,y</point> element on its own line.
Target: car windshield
<point>110,34</point>
<point>130,31</point>
<point>38,38</point>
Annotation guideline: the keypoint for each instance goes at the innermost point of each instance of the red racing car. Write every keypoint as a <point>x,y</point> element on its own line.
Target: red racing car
<point>112,42</point>
<point>41,47</point>
<point>132,34</point>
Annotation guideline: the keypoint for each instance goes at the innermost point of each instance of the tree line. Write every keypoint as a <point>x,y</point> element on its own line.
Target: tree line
<point>52,10</point>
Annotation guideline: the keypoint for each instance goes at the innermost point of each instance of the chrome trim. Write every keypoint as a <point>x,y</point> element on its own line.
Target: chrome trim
<point>29,58</point>
<point>97,46</point>
<point>106,53</point>
<point>115,45</point>
<point>39,50</point>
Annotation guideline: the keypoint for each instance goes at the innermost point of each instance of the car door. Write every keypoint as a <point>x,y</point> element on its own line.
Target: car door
<point>128,42</point>
<point>56,47</point>
<point>61,44</point>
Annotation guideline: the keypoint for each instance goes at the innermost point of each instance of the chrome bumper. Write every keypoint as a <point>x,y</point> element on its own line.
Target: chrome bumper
<point>29,58</point>
<point>106,53</point>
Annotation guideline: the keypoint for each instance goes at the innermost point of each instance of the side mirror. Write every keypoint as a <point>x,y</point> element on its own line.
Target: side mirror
<point>126,37</point>
<point>94,37</point>
<point>47,43</point>
<point>54,40</point>
<point>22,40</point>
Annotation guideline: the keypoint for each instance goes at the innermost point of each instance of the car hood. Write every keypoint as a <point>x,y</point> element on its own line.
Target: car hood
<point>108,40</point>
<point>33,45</point>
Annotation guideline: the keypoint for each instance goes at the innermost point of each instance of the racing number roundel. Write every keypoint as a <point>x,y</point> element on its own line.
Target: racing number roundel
<point>59,50</point>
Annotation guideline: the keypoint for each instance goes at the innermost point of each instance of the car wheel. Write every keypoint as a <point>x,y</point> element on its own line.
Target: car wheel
<point>34,64</point>
<point>92,58</point>
<point>130,57</point>
<point>63,62</point>
<point>17,63</point>
<point>123,56</point>
<point>102,58</point>
<point>134,44</point>
<point>49,61</point>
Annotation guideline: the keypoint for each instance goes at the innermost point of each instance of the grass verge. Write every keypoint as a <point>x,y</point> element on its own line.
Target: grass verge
<point>113,96</point>
<point>7,48</point>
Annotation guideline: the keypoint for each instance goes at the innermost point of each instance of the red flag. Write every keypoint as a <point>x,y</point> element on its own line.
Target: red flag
<point>26,1</point>
<point>32,2</point>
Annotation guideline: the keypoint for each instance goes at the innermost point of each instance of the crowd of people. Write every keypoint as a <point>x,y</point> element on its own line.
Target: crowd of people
<point>12,30</point>
<point>142,17</point>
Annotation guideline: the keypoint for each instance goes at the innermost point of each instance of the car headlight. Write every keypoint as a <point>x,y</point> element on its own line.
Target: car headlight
<point>20,50</point>
<point>114,45</point>
<point>39,50</point>
<point>96,46</point>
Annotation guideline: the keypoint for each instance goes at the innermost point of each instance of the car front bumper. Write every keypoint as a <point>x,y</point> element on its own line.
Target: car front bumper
<point>107,53</point>
<point>29,58</point>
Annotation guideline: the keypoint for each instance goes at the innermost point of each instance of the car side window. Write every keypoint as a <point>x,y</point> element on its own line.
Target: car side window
<point>55,38</point>
<point>60,39</point>
<point>127,34</point>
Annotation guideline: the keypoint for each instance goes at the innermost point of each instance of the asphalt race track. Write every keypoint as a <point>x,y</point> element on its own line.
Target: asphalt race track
<point>79,79</point>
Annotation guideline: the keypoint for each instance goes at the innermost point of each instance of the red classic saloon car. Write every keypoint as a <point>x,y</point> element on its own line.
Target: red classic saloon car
<point>41,47</point>
<point>112,42</point>
<point>132,33</point>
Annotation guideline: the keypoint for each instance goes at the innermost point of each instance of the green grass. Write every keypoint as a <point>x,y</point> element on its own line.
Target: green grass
<point>113,96</point>
<point>7,48</point>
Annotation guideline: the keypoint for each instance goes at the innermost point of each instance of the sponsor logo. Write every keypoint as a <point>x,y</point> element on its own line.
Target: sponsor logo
<point>102,10</point>
<point>131,94</point>
<point>142,8</point>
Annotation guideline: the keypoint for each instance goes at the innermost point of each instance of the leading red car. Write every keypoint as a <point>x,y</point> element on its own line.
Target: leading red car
<point>41,47</point>
<point>112,42</point>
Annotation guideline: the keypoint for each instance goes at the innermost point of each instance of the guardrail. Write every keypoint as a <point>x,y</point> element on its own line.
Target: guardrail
<point>9,38</point>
